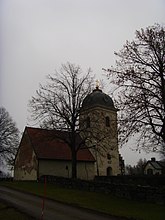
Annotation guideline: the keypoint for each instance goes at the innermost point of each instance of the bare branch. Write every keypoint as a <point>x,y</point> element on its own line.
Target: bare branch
<point>57,104</point>
<point>9,137</point>
<point>140,77</point>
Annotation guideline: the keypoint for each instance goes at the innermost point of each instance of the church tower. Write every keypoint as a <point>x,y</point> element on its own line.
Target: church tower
<point>98,123</point>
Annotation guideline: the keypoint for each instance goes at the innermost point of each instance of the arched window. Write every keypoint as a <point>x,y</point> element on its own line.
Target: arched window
<point>107,121</point>
<point>88,122</point>
<point>109,171</point>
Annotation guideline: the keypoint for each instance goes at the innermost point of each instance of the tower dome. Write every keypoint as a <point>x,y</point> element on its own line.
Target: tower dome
<point>98,99</point>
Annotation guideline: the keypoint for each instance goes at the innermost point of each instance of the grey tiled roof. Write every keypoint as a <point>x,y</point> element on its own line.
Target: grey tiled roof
<point>156,165</point>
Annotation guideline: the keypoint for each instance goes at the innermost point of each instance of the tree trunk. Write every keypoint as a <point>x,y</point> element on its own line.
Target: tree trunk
<point>74,163</point>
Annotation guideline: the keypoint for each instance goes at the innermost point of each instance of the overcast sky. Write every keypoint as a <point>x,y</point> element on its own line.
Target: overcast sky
<point>37,36</point>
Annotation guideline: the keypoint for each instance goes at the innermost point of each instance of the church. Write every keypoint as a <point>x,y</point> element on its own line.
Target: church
<point>39,153</point>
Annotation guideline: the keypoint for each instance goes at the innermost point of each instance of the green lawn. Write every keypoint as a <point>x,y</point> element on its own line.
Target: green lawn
<point>95,201</point>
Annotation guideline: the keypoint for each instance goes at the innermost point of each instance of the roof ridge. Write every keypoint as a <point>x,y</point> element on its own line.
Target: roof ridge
<point>48,129</point>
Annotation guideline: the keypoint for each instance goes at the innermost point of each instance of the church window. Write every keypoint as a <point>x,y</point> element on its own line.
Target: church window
<point>88,122</point>
<point>109,171</point>
<point>108,156</point>
<point>107,121</point>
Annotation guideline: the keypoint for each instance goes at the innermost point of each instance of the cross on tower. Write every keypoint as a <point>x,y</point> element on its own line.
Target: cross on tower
<point>97,84</point>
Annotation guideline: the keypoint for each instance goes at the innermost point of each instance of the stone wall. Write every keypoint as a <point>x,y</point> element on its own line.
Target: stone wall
<point>143,193</point>
<point>142,180</point>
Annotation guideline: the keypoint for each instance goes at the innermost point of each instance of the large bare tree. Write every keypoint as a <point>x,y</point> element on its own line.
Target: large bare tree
<point>57,104</point>
<point>9,137</point>
<point>139,76</point>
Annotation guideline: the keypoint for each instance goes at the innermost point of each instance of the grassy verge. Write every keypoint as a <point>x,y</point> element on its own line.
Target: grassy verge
<point>9,213</point>
<point>95,201</point>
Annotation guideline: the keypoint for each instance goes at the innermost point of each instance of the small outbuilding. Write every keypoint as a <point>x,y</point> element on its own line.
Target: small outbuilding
<point>154,167</point>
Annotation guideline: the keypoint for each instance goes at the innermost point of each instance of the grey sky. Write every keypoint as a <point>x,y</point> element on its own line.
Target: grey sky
<point>36,36</point>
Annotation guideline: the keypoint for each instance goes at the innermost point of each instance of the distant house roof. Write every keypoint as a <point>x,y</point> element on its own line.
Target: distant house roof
<point>49,144</point>
<point>162,163</point>
<point>158,165</point>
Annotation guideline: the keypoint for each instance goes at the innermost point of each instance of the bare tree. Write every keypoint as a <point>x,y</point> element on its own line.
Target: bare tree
<point>57,104</point>
<point>9,137</point>
<point>139,75</point>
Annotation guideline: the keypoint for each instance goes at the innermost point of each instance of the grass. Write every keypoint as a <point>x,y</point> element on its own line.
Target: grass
<point>96,201</point>
<point>9,213</point>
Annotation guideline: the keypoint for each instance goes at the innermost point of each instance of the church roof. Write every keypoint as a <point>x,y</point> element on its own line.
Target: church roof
<point>49,144</point>
<point>98,99</point>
